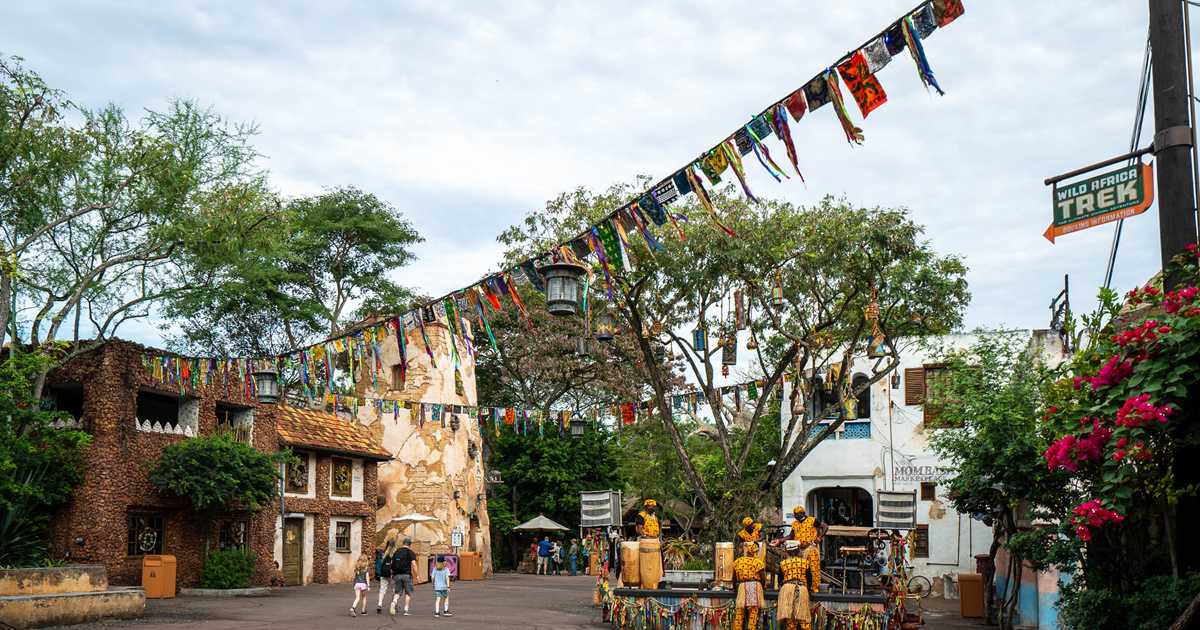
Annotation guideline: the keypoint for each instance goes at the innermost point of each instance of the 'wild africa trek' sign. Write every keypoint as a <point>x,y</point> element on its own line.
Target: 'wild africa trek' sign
<point>1120,194</point>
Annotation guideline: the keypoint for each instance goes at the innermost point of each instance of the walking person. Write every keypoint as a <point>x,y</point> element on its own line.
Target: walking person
<point>404,567</point>
<point>573,555</point>
<point>557,555</point>
<point>441,589</point>
<point>383,566</point>
<point>543,553</point>
<point>362,584</point>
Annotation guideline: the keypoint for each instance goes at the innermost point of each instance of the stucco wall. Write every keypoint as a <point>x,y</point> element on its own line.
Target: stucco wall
<point>341,564</point>
<point>431,461</point>
<point>899,440</point>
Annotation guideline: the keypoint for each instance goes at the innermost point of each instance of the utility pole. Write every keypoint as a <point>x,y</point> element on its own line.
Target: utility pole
<point>1173,140</point>
<point>1173,136</point>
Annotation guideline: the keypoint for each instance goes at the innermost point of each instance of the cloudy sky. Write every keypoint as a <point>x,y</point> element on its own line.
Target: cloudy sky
<point>466,116</point>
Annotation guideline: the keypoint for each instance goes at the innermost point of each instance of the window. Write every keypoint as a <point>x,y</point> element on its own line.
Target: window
<point>297,474</point>
<point>933,398</point>
<point>397,377</point>
<point>68,398</point>
<point>863,409</point>
<point>145,533</point>
<point>235,421</point>
<point>921,542</point>
<point>341,536</point>
<point>232,535</point>
<point>928,491</point>
<point>343,478</point>
<point>914,386</point>
<point>169,413</point>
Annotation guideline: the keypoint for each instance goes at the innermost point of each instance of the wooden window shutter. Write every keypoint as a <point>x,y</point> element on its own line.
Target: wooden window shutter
<point>933,410</point>
<point>914,386</point>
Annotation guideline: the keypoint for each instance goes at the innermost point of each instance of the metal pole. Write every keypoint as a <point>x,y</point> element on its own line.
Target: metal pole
<point>1172,132</point>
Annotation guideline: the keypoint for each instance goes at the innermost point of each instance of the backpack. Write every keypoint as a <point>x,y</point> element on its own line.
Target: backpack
<point>385,569</point>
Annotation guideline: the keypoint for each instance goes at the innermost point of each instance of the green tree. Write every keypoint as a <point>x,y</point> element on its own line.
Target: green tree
<point>334,251</point>
<point>216,473</point>
<point>994,390</point>
<point>830,262</point>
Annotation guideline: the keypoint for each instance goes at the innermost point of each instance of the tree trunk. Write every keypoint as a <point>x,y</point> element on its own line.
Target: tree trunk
<point>6,297</point>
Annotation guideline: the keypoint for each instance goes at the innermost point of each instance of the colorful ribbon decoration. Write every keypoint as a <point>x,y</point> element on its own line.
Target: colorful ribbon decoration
<point>854,135</point>
<point>698,188</point>
<point>735,160</point>
<point>915,48</point>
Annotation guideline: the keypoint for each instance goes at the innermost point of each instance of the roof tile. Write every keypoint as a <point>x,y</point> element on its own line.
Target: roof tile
<point>327,432</point>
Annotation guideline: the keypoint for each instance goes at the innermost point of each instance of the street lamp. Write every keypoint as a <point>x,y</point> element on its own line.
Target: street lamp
<point>577,427</point>
<point>562,287</point>
<point>266,385</point>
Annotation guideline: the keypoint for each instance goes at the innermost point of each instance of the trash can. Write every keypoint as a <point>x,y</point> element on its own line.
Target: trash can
<point>158,576</point>
<point>970,595</point>
<point>470,566</point>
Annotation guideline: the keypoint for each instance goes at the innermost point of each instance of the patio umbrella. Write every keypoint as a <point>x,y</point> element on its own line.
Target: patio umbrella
<point>540,524</point>
<point>412,518</point>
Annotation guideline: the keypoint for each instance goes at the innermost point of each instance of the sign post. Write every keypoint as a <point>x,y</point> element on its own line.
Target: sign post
<point>1112,196</point>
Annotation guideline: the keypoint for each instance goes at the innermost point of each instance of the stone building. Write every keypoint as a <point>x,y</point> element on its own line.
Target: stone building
<point>437,464</point>
<point>134,401</point>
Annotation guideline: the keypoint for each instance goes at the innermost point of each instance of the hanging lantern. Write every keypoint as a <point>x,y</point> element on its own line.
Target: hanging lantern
<point>752,344</point>
<point>729,351</point>
<point>660,352</point>
<point>606,328</point>
<point>777,291</point>
<point>266,385</point>
<point>578,425</point>
<point>876,347</point>
<point>699,339</point>
<point>562,287</point>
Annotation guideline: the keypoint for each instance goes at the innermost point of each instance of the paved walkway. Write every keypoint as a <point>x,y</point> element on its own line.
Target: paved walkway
<point>505,601</point>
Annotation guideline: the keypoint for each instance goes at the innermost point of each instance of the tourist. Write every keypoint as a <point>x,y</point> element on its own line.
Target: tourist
<point>362,583</point>
<point>441,589</point>
<point>556,554</point>
<point>543,557</point>
<point>383,565</point>
<point>404,567</point>
<point>573,555</point>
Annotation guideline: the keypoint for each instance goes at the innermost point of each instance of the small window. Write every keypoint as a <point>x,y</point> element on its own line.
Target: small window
<point>235,421</point>
<point>341,536</point>
<point>68,398</point>
<point>168,412</point>
<point>343,478</point>
<point>297,474</point>
<point>921,542</point>
<point>928,491</point>
<point>232,535</point>
<point>397,377</point>
<point>863,408</point>
<point>145,534</point>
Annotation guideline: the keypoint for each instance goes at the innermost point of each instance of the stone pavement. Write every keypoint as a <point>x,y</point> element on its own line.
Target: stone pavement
<point>505,601</point>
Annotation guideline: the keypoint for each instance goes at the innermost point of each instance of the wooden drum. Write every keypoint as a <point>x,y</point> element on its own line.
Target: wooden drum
<point>630,575</point>
<point>723,562</point>
<point>650,561</point>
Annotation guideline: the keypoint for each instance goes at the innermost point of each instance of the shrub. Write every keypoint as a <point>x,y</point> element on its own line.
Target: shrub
<point>231,568</point>
<point>215,473</point>
<point>1156,605</point>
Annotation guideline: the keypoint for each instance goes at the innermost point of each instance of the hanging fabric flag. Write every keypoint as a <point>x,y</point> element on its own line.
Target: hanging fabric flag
<point>510,416</point>
<point>876,52</point>
<point>458,383</point>
<point>752,390</point>
<point>759,128</point>
<point>607,234</point>
<point>481,311</point>
<point>924,20</point>
<point>683,185</point>
<point>816,93</point>
<point>425,340</point>
<point>637,218</point>
<point>796,105</point>
<point>863,85</point>
<point>462,325</point>
<point>735,161</point>
<point>739,310</point>
<point>946,11</point>
<point>507,281</point>
<point>650,205</point>
<point>598,247</point>
<point>761,152</point>
<point>854,135</point>
<point>619,227</point>
<point>741,140</point>
<point>913,40</point>
<point>580,248</point>
<point>563,422</point>
<point>491,293</point>
<point>420,415</point>
<point>535,276</point>
<point>628,412</point>
<point>706,202</point>
<point>714,163</point>
<point>779,121</point>
<point>737,397</point>
<point>894,38</point>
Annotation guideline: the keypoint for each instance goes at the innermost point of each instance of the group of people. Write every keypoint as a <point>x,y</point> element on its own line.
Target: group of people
<point>799,574</point>
<point>396,564</point>
<point>552,557</point>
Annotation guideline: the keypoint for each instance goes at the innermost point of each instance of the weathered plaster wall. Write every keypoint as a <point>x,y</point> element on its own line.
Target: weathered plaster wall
<point>431,460</point>
<point>341,564</point>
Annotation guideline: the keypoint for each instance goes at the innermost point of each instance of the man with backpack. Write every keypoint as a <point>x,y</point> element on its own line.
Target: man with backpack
<point>404,567</point>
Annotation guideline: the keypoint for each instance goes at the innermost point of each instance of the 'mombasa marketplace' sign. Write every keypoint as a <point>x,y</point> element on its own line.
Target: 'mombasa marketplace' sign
<point>1120,194</point>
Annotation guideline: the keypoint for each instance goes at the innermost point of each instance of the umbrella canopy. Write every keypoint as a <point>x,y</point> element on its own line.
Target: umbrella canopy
<point>411,518</point>
<point>540,524</point>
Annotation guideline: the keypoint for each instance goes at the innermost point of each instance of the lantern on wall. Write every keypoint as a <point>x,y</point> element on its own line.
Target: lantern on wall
<point>606,328</point>
<point>562,287</point>
<point>578,425</point>
<point>266,385</point>
<point>699,339</point>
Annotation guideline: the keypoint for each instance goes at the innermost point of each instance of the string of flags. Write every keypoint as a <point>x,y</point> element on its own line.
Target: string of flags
<point>607,242</point>
<point>190,373</point>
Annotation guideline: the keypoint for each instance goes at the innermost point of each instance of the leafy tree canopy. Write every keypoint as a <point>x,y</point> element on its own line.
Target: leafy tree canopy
<point>217,473</point>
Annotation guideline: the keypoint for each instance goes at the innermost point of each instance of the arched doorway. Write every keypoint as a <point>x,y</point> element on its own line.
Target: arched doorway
<point>842,506</point>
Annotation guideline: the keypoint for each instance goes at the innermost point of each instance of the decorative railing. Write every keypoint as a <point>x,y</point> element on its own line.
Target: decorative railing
<point>158,427</point>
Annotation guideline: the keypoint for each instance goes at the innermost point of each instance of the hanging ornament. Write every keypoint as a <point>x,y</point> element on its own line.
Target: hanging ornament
<point>699,339</point>
<point>752,344</point>
<point>606,328</point>
<point>729,351</point>
<point>777,291</point>
<point>724,370</point>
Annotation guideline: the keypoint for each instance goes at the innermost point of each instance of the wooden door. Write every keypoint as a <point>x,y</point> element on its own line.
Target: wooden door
<point>293,552</point>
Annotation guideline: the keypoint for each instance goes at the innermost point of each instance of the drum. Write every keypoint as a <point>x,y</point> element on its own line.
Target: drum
<point>630,575</point>
<point>723,562</point>
<point>650,561</point>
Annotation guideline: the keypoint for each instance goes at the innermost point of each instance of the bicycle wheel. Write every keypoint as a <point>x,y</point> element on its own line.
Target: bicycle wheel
<point>919,586</point>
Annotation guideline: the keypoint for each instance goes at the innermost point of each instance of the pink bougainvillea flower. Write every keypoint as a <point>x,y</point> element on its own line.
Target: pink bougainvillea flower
<point>1138,410</point>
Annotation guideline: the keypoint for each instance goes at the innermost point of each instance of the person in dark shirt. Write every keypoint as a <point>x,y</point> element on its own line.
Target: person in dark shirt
<point>404,567</point>
<point>543,561</point>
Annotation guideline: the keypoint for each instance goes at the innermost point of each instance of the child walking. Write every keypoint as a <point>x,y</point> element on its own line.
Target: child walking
<point>441,589</point>
<point>362,582</point>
